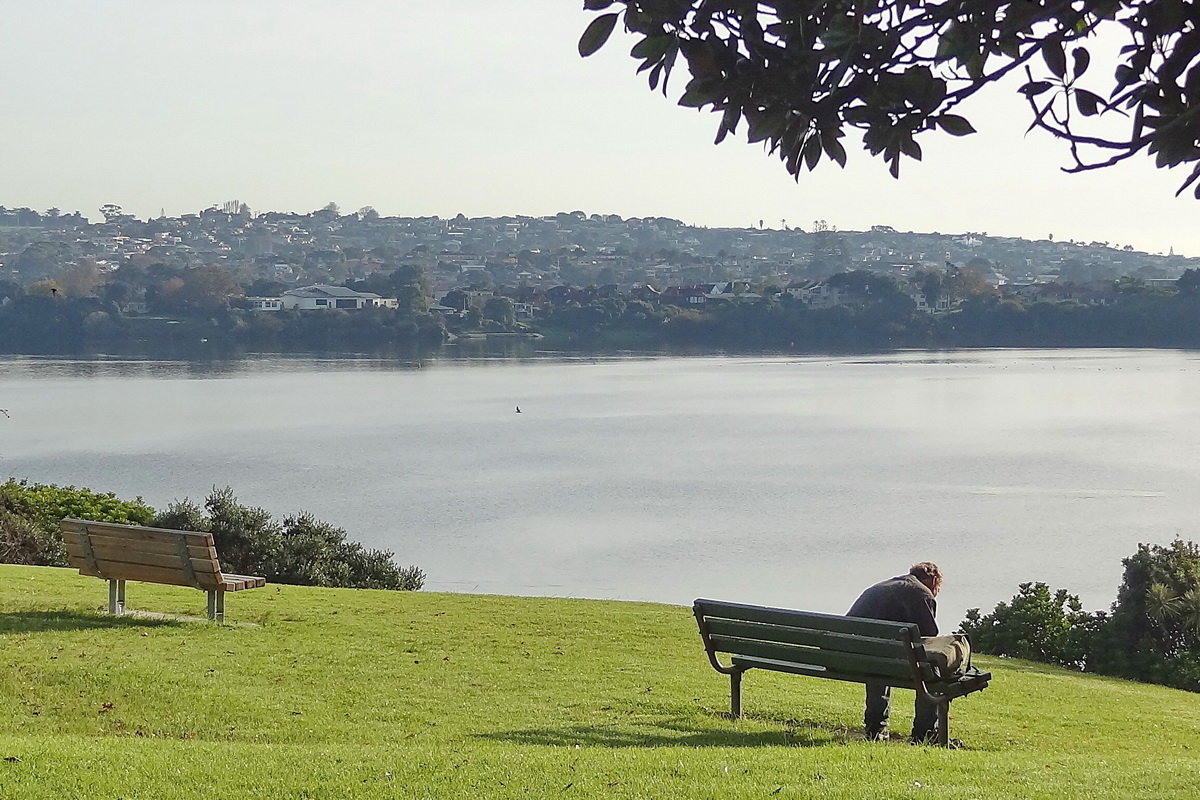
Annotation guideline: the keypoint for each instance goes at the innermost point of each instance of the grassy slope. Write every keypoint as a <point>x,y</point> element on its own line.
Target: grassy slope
<point>342,693</point>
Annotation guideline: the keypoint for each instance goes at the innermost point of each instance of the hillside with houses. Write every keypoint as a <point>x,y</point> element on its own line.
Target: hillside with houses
<point>252,280</point>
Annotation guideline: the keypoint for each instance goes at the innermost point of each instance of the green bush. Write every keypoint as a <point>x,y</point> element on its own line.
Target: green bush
<point>44,505</point>
<point>1154,633</point>
<point>23,542</point>
<point>1151,635</point>
<point>300,550</point>
<point>1036,625</point>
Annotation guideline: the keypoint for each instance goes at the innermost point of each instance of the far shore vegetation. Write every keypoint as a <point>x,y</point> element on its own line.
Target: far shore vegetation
<point>227,281</point>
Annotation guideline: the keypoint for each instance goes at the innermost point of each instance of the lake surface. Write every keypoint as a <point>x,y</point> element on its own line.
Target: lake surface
<point>778,480</point>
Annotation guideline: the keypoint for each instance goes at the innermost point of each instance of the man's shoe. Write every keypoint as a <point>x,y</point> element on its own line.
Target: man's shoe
<point>878,736</point>
<point>931,738</point>
<point>925,737</point>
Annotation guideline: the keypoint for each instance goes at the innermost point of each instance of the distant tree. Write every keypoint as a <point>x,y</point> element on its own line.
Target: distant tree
<point>500,310</point>
<point>265,287</point>
<point>81,280</point>
<point>207,288</point>
<point>801,74</point>
<point>456,299</point>
<point>111,212</point>
<point>1189,282</point>
<point>44,288</point>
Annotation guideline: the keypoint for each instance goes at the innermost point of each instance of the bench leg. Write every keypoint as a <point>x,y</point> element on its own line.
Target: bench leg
<point>116,597</point>
<point>216,605</point>
<point>735,694</point>
<point>943,724</point>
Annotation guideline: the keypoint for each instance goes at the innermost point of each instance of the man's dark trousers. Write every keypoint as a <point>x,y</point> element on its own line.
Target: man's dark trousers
<point>879,704</point>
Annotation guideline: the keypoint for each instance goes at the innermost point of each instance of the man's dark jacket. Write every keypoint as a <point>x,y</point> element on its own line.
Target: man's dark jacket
<point>899,599</point>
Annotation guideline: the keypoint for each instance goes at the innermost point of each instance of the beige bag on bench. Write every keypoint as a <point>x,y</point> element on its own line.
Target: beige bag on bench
<point>949,654</point>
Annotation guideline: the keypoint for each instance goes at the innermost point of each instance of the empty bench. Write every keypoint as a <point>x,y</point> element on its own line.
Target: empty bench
<point>827,646</point>
<point>119,553</point>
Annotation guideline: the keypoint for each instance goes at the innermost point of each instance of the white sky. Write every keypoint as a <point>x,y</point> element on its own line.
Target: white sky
<point>424,107</point>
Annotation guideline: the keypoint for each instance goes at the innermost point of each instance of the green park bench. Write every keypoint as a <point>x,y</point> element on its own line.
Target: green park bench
<point>118,553</point>
<point>827,646</point>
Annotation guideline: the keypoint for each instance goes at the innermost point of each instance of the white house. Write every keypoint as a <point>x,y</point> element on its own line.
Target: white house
<point>321,296</point>
<point>265,303</point>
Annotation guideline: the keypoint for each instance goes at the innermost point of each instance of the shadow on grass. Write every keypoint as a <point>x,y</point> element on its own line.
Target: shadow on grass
<point>796,733</point>
<point>45,621</point>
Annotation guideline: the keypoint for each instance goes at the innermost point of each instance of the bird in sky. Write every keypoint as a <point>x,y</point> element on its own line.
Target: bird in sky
<point>4,411</point>
<point>518,410</point>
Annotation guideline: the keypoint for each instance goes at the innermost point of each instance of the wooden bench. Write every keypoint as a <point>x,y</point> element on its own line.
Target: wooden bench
<point>827,646</point>
<point>118,553</point>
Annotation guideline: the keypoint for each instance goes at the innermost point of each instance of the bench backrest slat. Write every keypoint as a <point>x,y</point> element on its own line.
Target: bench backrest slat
<point>853,663</point>
<point>832,623</point>
<point>834,642</point>
<point>117,570</point>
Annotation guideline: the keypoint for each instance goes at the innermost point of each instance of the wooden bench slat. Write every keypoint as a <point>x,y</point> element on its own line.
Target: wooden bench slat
<point>837,642</point>
<point>856,626</point>
<point>100,542</point>
<point>131,531</point>
<point>814,671</point>
<point>842,662</point>
<point>122,571</point>
<point>110,555</point>
<point>237,583</point>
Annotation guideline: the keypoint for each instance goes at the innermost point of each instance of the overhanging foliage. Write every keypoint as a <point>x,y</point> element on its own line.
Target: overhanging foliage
<point>800,73</point>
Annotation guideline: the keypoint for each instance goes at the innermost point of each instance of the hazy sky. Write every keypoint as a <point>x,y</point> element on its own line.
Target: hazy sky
<point>424,107</point>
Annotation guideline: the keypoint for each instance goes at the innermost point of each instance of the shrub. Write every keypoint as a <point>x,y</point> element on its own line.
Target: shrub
<point>22,541</point>
<point>1154,634</point>
<point>1038,626</point>
<point>44,505</point>
<point>300,550</point>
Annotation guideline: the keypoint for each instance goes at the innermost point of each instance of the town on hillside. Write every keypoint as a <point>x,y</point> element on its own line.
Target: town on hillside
<point>511,275</point>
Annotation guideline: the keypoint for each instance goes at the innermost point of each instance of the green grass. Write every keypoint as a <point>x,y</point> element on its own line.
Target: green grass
<point>349,694</point>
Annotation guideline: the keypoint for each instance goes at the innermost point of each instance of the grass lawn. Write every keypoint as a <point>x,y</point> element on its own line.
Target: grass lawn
<point>360,694</point>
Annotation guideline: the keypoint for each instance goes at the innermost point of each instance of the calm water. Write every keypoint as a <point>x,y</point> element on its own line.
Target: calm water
<point>787,481</point>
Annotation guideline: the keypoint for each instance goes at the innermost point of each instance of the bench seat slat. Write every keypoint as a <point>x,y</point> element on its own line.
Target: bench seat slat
<point>855,626</point>
<point>237,583</point>
<point>837,642</point>
<point>200,566</point>
<point>844,662</point>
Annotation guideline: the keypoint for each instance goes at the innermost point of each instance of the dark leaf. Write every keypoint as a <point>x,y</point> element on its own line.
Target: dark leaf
<point>834,149</point>
<point>652,48</point>
<point>1055,58</point>
<point>1088,104</point>
<point>597,34</point>
<point>597,5</point>
<point>955,125</point>
<point>812,152</point>
<point>1081,58</point>
<point>1034,88</point>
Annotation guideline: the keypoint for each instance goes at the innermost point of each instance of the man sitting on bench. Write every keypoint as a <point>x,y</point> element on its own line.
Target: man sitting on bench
<point>905,598</point>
